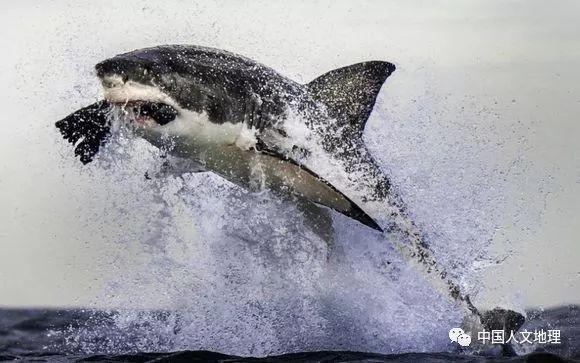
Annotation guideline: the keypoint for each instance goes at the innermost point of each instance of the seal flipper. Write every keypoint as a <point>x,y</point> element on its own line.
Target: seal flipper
<point>90,124</point>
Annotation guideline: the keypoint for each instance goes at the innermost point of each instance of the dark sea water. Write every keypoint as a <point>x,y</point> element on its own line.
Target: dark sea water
<point>53,336</point>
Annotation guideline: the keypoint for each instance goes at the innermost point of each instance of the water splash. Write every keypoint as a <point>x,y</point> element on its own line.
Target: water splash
<point>203,264</point>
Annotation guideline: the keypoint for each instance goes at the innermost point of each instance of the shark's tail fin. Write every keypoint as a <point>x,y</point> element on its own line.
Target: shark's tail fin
<point>410,245</point>
<point>349,93</point>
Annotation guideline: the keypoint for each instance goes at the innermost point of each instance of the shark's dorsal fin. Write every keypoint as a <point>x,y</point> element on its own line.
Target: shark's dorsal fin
<point>349,93</point>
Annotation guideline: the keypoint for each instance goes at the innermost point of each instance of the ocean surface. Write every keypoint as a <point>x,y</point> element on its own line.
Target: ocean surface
<point>87,336</point>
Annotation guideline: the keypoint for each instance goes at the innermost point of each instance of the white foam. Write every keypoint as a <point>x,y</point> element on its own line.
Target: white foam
<point>241,273</point>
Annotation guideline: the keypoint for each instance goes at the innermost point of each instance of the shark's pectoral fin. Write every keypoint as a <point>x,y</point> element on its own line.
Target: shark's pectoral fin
<point>353,210</point>
<point>356,213</point>
<point>90,125</point>
<point>328,195</point>
<point>349,93</point>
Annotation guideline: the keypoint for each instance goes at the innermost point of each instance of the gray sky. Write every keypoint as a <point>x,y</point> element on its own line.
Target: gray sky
<point>492,52</point>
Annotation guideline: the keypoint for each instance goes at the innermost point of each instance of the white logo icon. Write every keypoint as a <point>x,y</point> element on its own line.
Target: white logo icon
<point>464,340</point>
<point>458,335</point>
<point>454,333</point>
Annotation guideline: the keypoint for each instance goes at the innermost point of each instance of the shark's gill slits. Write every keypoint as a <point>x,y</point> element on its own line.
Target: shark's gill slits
<point>161,113</point>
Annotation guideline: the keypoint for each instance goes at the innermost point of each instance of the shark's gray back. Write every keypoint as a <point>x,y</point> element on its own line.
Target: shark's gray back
<point>229,87</point>
<point>233,88</point>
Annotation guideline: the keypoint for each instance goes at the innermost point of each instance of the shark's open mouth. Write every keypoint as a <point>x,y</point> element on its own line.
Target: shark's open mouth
<point>143,112</point>
<point>89,127</point>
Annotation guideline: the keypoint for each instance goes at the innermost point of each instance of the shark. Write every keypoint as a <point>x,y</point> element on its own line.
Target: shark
<point>261,130</point>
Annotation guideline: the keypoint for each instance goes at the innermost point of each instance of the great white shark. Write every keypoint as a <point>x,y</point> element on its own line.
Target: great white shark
<point>258,129</point>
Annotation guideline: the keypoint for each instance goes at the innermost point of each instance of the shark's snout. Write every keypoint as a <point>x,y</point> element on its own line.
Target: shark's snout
<point>116,66</point>
<point>126,80</point>
<point>126,69</point>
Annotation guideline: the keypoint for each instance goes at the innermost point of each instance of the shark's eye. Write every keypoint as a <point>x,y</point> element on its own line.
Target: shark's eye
<point>160,112</point>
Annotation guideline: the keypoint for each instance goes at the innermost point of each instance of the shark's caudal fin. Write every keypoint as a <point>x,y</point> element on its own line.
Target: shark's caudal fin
<point>349,93</point>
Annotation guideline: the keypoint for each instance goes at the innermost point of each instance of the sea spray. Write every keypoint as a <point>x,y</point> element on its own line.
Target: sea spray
<point>203,264</point>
